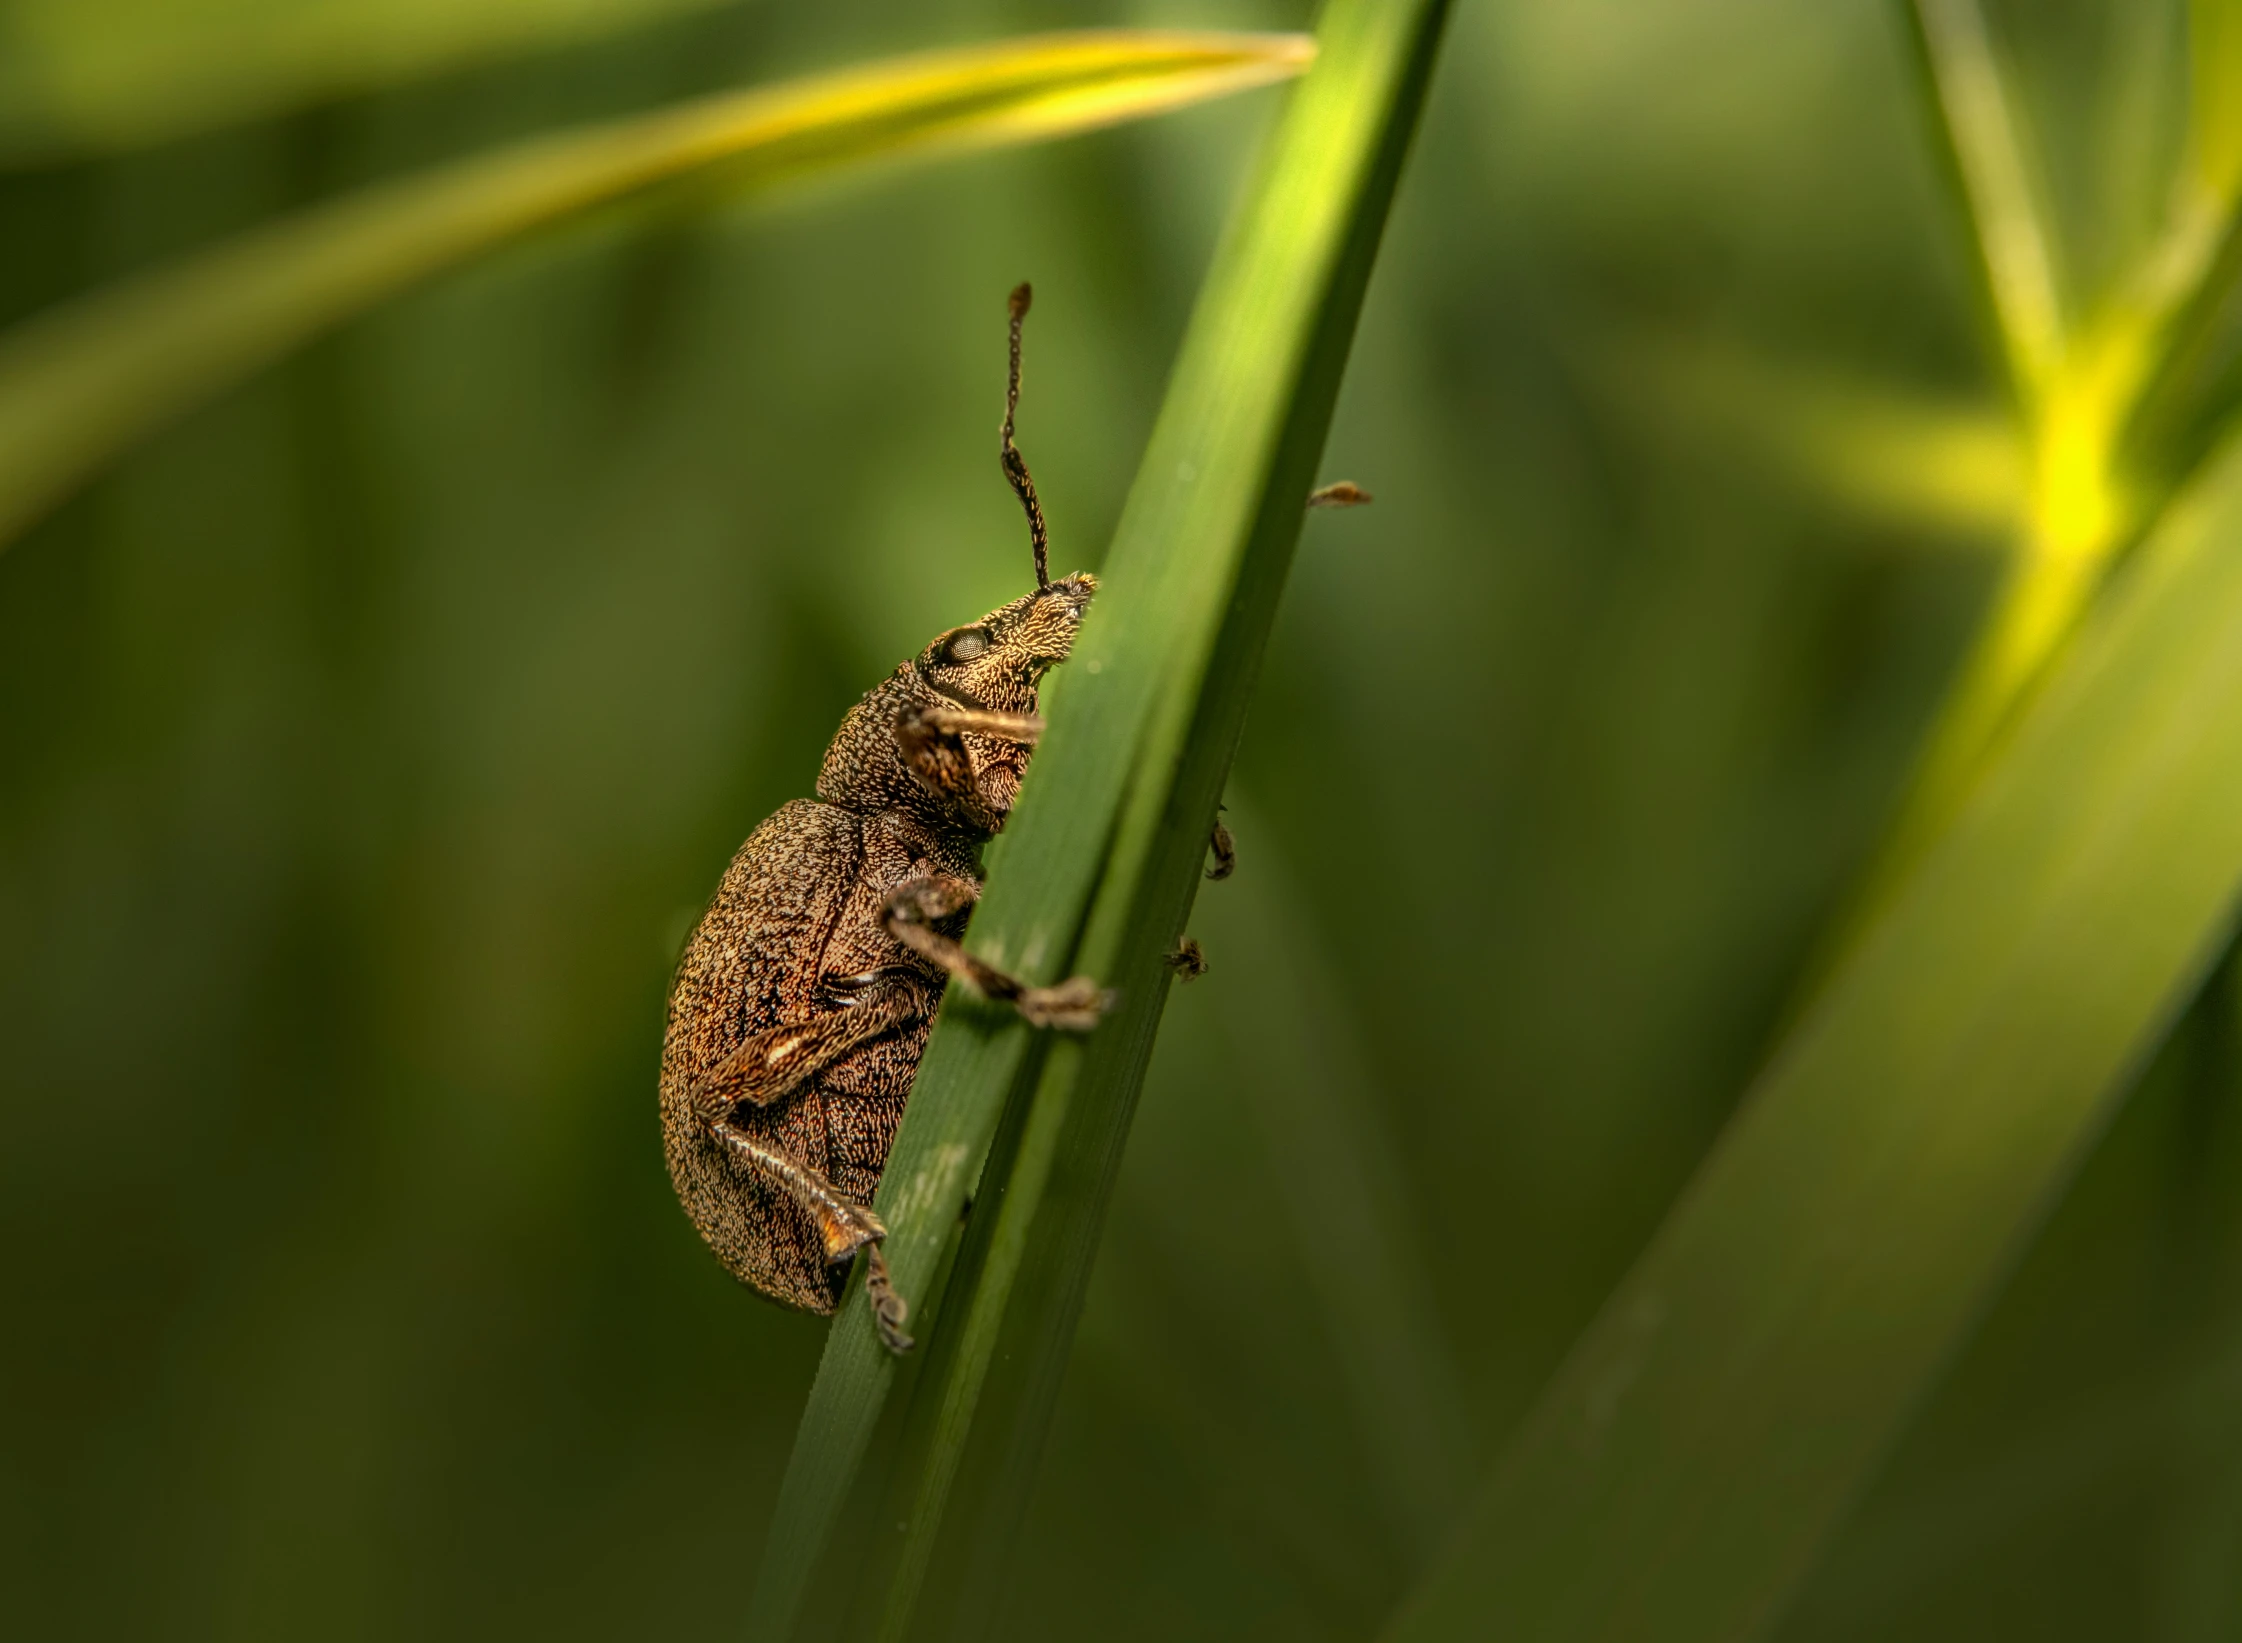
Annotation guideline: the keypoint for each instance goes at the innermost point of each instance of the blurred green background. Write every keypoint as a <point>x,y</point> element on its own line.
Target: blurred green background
<point>372,739</point>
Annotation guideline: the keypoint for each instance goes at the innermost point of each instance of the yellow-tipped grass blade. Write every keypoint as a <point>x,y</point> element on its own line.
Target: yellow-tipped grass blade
<point>81,383</point>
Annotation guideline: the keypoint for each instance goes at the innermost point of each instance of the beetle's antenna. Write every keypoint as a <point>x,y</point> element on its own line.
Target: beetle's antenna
<point>1016,465</point>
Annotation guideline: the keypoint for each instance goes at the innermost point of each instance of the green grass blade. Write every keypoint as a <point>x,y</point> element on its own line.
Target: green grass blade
<point>1097,867</point>
<point>971,1065</point>
<point>1990,155</point>
<point>1314,1092</point>
<point>81,76</point>
<point>2189,381</point>
<point>1193,582</point>
<point>1743,1382</point>
<point>82,383</point>
<point>2215,68</point>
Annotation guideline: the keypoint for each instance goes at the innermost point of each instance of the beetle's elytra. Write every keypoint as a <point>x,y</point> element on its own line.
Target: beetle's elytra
<point>805,997</point>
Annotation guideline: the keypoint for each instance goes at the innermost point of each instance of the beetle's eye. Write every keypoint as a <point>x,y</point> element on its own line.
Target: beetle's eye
<point>963,647</point>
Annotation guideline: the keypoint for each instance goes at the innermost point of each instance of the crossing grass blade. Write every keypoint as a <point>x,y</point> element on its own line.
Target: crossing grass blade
<point>82,383</point>
<point>1096,869</point>
<point>2063,874</point>
<point>1738,1389</point>
<point>2110,388</point>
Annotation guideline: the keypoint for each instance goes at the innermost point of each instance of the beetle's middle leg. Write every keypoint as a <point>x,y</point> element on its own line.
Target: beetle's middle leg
<point>1225,850</point>
<point>773,1063</point>
<point>844,1226</point>
<point>914,909</point>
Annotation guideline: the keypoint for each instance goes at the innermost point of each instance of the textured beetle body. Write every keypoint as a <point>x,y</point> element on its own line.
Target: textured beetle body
<point>742,975</point>
<point>805,997</point>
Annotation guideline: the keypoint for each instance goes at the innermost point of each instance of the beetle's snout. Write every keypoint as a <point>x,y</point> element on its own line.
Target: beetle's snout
<point>1073,594</point>
<point>1057,616</point>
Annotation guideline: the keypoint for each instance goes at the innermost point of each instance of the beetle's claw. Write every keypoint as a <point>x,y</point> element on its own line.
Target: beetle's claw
<point>1075,1005</point>
<point>847,1228</point>
<point>888,1308</point>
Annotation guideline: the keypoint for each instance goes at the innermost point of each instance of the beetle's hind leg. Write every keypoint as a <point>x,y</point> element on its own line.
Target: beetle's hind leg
<point>914,909</point>
<point>844,1226</point>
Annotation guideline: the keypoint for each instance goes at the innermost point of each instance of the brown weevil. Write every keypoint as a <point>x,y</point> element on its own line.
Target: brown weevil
<point>804,999</point>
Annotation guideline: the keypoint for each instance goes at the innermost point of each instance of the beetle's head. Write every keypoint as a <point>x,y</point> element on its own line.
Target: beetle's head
<point>996,662</point>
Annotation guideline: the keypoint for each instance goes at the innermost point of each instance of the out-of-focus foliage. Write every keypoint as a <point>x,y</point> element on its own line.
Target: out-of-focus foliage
<point>81,384</point>
<point>1751,1373</point>
<point>78,75</point>
<point>2062,877</point>
<point>372,739</point>
<point>2106,271</point>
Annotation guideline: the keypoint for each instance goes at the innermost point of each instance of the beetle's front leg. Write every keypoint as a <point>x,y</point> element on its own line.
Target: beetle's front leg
<point>914,909</point>
<point>1026,728</point>
<point>931,738</point>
